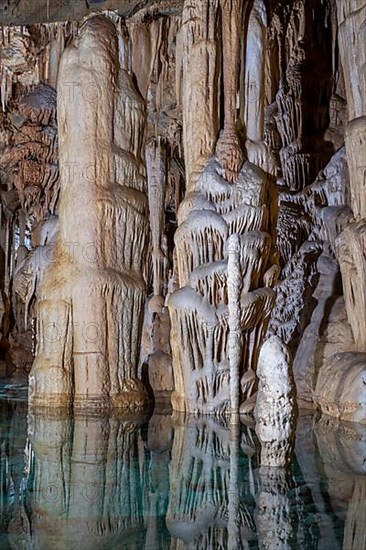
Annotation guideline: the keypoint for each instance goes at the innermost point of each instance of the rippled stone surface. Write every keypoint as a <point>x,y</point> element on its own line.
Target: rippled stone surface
<point>171,481</point>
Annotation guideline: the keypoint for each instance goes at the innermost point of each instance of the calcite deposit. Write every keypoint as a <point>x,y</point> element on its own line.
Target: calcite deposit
<point>183,205</point>
<point>274,409</point>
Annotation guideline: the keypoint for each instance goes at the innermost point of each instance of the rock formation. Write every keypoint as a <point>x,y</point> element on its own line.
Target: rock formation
<point>220,312</point>
<point>84,356</point>
<point>274,409</point>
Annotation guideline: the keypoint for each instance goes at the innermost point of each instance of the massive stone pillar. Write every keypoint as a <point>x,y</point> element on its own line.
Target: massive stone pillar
<point>91,302</point>
<point>220,312</point>
<point>351,245</point>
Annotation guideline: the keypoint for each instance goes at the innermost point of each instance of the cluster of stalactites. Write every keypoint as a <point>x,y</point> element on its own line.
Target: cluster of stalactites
<point>220,313</point>
<point>30,55</point>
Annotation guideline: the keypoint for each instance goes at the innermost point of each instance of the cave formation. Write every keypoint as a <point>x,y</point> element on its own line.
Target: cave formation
<point>180,182</point>
<point>183,273</point>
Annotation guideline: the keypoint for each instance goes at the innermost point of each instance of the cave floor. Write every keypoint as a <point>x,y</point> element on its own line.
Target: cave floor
<point>170,481</point>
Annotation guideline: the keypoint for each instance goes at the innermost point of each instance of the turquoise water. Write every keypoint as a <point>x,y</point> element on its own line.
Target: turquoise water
<point>174,482</point>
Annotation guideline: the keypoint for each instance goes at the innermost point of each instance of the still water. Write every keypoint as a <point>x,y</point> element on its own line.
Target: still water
<point>173,482</point>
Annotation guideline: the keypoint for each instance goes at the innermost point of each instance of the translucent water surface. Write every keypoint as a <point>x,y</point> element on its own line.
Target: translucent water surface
<point>174,482</point>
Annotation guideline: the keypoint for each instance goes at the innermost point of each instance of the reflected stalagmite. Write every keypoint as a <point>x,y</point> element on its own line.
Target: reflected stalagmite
<point>273,514</point>
<point>76,486</point>
<point>174,481</point>
<point>205,509</point>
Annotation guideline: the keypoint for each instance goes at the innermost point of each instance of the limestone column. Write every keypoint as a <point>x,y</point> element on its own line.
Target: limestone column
<point>351,244</point>
<point>91,303</point>
<point>254,73</point>
<point>200,86</point>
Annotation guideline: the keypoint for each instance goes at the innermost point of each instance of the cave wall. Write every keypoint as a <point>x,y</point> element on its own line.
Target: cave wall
<point>208,157</point>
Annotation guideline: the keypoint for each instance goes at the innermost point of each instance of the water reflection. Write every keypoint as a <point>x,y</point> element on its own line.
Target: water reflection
<point>175,482</point>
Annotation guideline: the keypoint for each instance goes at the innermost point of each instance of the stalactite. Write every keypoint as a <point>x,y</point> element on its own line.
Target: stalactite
<point>228,147</point>
<point>200,52</point>
<point>301,157</point>
<point>156,170</point>
<point>258,151</point>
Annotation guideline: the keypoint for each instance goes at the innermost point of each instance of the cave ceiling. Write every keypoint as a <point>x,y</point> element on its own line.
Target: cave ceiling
<point>28,12</point>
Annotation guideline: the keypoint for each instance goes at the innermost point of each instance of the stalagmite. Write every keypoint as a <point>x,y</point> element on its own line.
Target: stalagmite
<point>274,410</point>
<point>234,343</point>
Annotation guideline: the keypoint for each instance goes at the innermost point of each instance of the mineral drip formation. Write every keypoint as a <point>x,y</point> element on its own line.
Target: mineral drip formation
<point>274,409</point>
<point>220,312</point>
<point>85,355</point>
